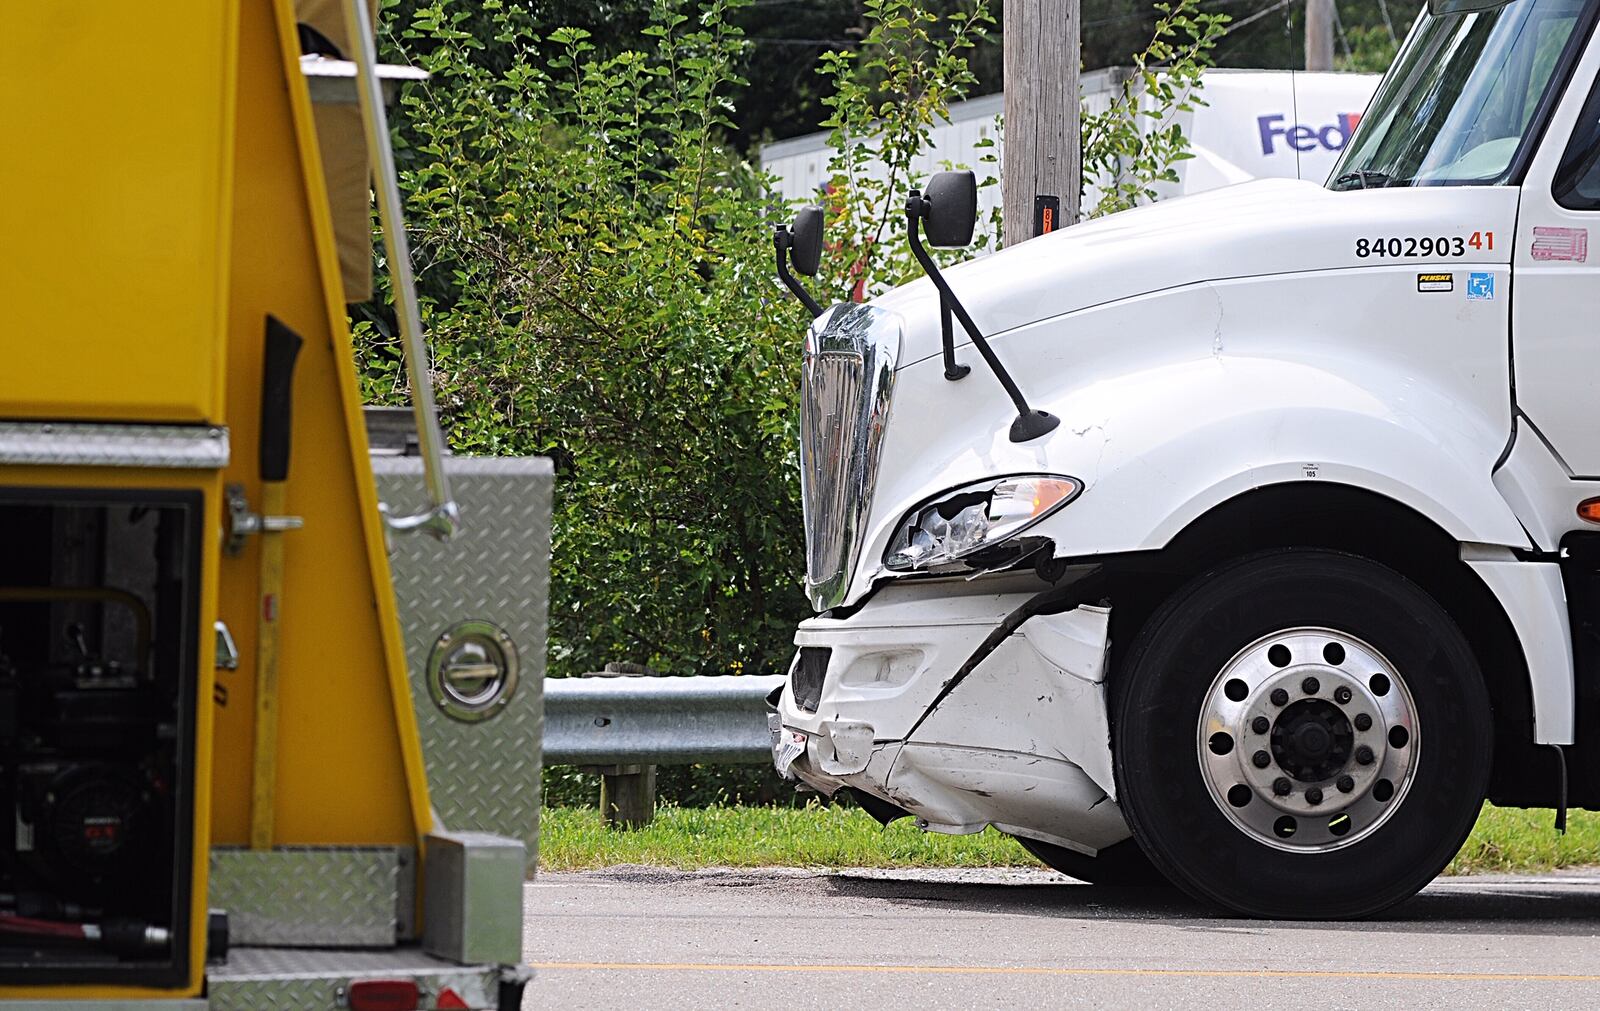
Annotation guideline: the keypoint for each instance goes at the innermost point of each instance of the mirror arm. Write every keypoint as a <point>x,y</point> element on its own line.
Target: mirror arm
<point>781,241</point>
<point>1030,424</point>
<point>952,371</point>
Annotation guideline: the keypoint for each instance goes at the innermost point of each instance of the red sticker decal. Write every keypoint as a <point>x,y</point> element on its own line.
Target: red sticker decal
<point>1561,244</point>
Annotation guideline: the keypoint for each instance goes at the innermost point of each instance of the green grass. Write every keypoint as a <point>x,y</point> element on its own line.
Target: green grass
<point>1515,841</point>
<point>573,838</point>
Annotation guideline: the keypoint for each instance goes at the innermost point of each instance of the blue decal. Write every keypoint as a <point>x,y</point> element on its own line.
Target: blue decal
<point>1480,286</point>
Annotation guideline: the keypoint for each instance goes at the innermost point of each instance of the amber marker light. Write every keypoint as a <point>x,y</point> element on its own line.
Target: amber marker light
<point>1589,509</point>
<point>1049,492</point>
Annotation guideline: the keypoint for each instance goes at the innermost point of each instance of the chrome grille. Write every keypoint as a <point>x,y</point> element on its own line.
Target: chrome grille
<point>846,383</point>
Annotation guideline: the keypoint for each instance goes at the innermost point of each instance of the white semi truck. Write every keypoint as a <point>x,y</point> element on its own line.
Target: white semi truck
<point>1251,538</point>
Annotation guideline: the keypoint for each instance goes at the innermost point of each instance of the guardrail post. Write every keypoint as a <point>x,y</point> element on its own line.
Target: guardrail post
<point>627,792</point>
<point>627,795</point>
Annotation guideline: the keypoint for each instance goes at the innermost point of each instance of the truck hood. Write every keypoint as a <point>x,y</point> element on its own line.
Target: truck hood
<point>1268,226</point>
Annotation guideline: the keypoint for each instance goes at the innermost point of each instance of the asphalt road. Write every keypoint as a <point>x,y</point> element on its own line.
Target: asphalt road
<point>789,939</point>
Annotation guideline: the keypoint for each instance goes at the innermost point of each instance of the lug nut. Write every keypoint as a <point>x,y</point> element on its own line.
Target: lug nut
<point>1341,694</point>
<point>1363,721</point>
<point>1279,697</point>
<point>1311,686</point>
<point>1363,755</point>
<point>1281,786</point>
<point>1314,795</point>
<point>1261,724</point>
<point>1345,784</point>
<point>1261,759</point>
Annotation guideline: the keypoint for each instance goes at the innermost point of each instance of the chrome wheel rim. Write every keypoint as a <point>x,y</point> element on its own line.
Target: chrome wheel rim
<point>1308,740</point>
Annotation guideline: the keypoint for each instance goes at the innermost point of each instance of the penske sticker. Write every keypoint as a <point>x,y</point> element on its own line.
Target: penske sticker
<point>1436,282</point>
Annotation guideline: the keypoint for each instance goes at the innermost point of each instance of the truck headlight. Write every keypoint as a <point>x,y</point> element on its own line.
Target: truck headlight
<point>976,517</point>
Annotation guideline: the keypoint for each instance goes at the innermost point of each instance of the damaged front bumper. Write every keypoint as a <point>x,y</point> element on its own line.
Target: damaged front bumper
<point>1021,743</point>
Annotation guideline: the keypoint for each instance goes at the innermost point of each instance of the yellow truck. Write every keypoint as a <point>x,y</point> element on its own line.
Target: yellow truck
<point>213,791</point>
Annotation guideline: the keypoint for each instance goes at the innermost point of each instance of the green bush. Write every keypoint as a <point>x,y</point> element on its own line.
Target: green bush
<point>600,290</point>
<point>886,96</point>
<point>1138,141</point>
<point>596,265</point>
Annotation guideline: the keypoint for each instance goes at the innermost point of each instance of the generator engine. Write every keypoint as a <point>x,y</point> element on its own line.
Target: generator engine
<point>97,665</point>
<point>86,778</point>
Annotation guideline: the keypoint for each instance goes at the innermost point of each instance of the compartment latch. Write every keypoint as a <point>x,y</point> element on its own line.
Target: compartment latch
<point>243,523</point>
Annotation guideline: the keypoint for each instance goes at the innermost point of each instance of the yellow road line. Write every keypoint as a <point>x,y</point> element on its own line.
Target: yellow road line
<point>1037,970</point>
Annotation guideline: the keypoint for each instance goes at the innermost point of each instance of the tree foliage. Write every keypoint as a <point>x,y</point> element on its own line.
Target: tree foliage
<point>598,273</point>
<point>596,263</point>
<point>886,96</point>
<point>1138,141</point>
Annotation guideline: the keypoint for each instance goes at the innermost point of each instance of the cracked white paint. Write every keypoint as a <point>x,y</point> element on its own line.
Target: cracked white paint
<point>1216,332</point>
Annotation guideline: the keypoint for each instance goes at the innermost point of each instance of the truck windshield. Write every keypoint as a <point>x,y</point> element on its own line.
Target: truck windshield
<point>1461,97</point>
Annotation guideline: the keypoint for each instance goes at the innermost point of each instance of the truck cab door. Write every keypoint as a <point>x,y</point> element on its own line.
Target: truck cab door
<point>1555,317</point>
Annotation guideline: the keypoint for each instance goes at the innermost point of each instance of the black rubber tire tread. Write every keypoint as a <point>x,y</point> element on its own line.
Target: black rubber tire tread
<point>1123,865</point>
<point>1171,665</point>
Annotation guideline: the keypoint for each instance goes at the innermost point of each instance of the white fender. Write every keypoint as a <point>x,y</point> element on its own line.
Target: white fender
<point>1175,402</point>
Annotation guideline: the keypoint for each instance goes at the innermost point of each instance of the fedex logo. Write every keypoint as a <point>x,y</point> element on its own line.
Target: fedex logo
<point>1332,137</point>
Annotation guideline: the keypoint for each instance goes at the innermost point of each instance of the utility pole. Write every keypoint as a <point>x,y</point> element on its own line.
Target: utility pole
<point>1042,160</point>
<point>1319,34</point>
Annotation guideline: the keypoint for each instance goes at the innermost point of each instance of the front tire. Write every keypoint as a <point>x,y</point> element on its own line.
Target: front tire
<point>1301,734</point>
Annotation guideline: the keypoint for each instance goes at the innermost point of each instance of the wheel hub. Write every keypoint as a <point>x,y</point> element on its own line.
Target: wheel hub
<point>1312,740</point>
<point>1308,739</point>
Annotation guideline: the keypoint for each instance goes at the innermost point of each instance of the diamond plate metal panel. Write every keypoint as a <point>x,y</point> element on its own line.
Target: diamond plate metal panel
<point>108,1004</point>
<point>264,979</point>
<point>67,444</point>
<point>314,896</point>
<point>483,776</point>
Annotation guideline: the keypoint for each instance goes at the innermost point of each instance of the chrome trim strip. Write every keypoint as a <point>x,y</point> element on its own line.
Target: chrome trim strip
<point>99,444</point>
<point>847,384</point>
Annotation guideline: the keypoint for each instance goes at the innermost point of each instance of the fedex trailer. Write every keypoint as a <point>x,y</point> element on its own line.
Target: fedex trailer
<point>1255,124</point>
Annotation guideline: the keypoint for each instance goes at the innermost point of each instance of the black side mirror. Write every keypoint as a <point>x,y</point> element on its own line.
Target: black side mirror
<point>801,244</point>
<point>953,209</point>
<point>948,213</point>
<point>805,251</point>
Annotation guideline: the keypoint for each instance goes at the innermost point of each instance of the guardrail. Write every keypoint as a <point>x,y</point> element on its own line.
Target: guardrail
<point>614,721</point>
<point>623,727</point>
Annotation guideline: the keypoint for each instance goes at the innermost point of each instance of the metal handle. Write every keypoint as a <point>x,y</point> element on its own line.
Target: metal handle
<point>442,518</point>
<point>470,673</point>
